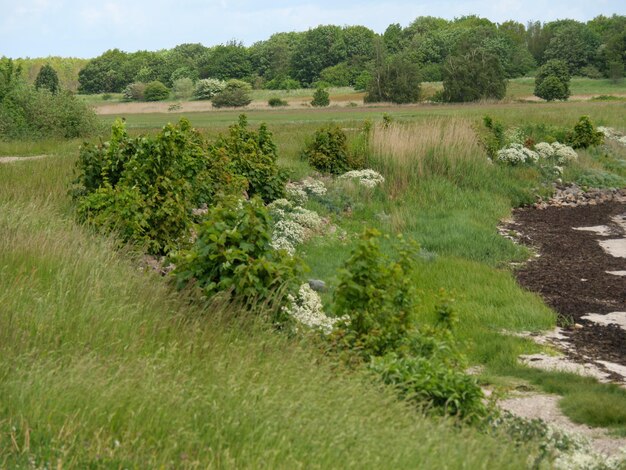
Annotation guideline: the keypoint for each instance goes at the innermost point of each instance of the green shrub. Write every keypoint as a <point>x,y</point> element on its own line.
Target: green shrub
<point>585,134</point>
<point>47,78</point>
<point>28,113</point>
<point>328,152</point>
<point>552,81</point>
<point>275,102</point>
<point>183,88</point>
<point>321,97</point>
<point>472,77</point>
<point>208,88</point>
<point>233,255</point>
<point>376,294</point>
<point>282,83</point>
<point>144,188</point>
<point>493,139</point>
<point>236,94</point>
<point>362,81</point>
<point>134,92</point>
<point>253,156</point>
<point>156,91</point>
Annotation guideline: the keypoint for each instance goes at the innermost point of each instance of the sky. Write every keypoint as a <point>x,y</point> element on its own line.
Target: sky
<point>79,28</point>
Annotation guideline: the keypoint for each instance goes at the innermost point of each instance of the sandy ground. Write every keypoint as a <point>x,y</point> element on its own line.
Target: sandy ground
<point>21,159</point>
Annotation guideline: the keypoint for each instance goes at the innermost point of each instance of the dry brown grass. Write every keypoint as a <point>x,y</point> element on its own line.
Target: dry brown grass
<point>409,151</point>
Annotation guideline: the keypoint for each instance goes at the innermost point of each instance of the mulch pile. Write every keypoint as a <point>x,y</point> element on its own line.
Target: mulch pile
<point>570,273</point>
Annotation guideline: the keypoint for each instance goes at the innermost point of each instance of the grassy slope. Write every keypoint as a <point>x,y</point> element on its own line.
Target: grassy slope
<point>102,367</point>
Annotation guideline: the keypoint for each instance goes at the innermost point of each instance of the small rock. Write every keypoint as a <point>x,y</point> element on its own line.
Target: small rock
<point>578,326</point>
<point>317,285</point>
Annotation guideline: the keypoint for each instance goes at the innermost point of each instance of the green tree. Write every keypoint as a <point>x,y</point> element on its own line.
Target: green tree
<point>226,61</point>
<point>47,78</point>
<point>320,97</point>
<point>473,76</point>
<point>105,74</point>
<point>235,94</point>
<point>156,91</point>
<point>575,44</point>
<point>319,48</point>
<point>394,78</point>
<point>552,81</point>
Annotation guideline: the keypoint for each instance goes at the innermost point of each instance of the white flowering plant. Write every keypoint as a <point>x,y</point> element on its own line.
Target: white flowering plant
<point>368,177</point>
<point>515,154</point>
<point>293,224</point>
<point>307,309</point>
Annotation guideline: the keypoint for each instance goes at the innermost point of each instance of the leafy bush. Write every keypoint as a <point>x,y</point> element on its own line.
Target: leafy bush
<point>47,78</point>
<point>156,91</point>
<point>282,83</point>
<point>28,113</point>
<point>552,81</point>
<point>134,92</point>
<point>472,77</point>
<point>494,139</point>
<point>253,156</point>
<point>144,189</point>
<point>396,80</point>
<point>275,102</point>
<point>585,135</point>
<point>376,294</point>
<point>328,152</point>
<point>362,81</point>
<point>208,88</point>
<point>183,88</point>
<point>233,254</point>
<point>321,97</point>
<point>236,94</point>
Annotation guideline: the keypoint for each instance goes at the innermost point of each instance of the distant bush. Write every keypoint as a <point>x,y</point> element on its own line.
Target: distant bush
<point>362,81</point>
<point>472,77</point>
<point>156,91</point>
<point>275,102</point>
<point>236,94</point>
<point>328,151</point>
<point>591,72</point>
<point>208,88</point>
<point>585,134</point>
<point>233,255</point>
<point>282,83</point>
<point>552,81</point>
<point>47,78</point>
<point>28,113</point>
<point>134,92</point>
<point>183,88</point>
<point>321,97</point>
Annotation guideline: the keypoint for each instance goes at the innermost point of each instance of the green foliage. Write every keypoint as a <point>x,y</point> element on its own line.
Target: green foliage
<point>472,77</point>
<point>376,295</point>
<point>156,91</point>
<point>328,152</point>
<point>552,81</point>
<point>321,97</point>
<point>232,254</point>
<point>276,102</point>
<point>28,113</point>
<point>144,189</point>
<point>253,156</point>
<point>226,61</point>
<point>47,78</point>
<point>207,88</point>
<point>494,139</point>
<point>338,75</point>
<point>395,79</point>
<point>183,88</point>
<point>235,94</point>
<point>585,134</point>
<point>134,92</point>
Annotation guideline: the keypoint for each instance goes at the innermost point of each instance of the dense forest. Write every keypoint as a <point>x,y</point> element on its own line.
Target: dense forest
<point>349,55</point>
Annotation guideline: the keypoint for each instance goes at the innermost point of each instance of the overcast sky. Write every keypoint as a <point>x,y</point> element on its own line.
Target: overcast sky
<point>78,28</point>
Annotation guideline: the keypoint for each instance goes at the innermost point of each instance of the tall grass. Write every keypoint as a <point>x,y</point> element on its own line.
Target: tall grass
<point>408,152</point>
<point>103,365</point>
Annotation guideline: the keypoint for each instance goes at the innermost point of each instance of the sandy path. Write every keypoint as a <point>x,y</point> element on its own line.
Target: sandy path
<point>20,159</point>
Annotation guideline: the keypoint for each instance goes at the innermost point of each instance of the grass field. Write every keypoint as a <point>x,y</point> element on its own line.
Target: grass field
<point>103,365</point>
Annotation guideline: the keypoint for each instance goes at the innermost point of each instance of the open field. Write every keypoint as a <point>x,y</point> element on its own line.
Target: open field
<point>104,365</point>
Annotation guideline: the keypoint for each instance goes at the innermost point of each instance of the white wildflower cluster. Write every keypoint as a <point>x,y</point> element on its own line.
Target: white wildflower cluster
<point>586,459</point>
<point>612,134</point>
<point>293,224</point>
<point>515,135</point>
<point>517,153</point>
<point>368,178</point>
<point>298,192</point>
<point>307,309</point>
<point>560,152</point>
